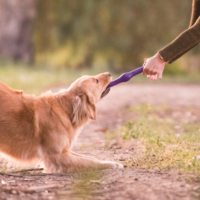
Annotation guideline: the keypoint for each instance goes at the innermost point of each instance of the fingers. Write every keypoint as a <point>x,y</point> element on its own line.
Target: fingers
<point>146,71</point>
<point>160,75</point>
<point>152,73</point>
<point>153,67</point>
<point>152,77</point>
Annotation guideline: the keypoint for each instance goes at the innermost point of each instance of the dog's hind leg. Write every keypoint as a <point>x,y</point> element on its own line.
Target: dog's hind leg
<point>67,162</point>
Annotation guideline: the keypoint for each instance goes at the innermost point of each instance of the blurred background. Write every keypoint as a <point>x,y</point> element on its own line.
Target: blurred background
<point>48,43</point>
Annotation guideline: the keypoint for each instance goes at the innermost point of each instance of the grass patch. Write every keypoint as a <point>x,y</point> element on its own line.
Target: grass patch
<point>169,144</point>
<point>37,79</point>
<point>34,80</point>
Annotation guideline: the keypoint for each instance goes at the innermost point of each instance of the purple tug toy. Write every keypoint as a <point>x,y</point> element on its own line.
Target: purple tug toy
<point>123,78</point>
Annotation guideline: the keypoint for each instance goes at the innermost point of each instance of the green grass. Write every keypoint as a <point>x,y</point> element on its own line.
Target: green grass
<point>169,144</point>
<point>37,79</point>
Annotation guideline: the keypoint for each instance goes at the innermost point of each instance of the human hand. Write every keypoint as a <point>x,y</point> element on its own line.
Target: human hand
<point>153,67</point>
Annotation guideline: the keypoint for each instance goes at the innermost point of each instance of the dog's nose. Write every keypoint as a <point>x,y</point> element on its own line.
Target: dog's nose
<point>109,74</point>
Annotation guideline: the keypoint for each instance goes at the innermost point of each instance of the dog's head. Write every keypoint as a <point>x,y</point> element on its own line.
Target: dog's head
<point>87,92</point>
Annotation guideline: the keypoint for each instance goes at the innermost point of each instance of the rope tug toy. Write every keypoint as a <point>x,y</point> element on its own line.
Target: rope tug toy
<point>123,78</point>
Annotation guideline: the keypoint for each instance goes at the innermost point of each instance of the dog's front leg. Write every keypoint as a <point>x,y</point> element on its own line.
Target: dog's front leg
<point>102,164</point>
<point>68,162</point>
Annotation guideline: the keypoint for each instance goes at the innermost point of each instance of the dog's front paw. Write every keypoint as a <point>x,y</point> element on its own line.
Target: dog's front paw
<point>113,165</point>
<point>118,166</point>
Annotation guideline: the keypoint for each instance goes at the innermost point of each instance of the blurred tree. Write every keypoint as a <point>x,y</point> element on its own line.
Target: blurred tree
<point>115,33</point>
<point>16,28</point>
<point>119,33</point>
<point>74,33</point>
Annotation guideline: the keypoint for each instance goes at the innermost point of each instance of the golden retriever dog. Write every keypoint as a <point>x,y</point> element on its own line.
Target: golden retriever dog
<point>45,127</point>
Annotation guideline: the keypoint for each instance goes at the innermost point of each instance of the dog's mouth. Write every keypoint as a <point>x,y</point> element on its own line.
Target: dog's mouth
<point>105,92</point>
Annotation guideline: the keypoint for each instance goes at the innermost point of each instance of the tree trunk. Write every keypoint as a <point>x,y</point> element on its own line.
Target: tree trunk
<point>16,29</point>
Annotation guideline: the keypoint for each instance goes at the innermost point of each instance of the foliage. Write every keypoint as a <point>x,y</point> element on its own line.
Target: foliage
<point>37,79</point>
<point>112,33</point>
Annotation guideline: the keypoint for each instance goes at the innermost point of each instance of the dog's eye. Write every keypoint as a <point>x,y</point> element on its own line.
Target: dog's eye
<point>97,80</point>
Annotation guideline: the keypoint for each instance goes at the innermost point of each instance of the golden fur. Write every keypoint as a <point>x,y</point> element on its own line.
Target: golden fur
<point>45,127</point>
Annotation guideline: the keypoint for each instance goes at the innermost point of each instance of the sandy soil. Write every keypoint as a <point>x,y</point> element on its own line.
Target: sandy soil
<point>125,183</point>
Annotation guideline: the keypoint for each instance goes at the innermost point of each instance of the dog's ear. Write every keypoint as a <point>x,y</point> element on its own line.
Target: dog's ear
<point>76,110</point>
<point>90,98</point>
<point>92,107</point>
<point>93,114</point>
<point>83,109</point>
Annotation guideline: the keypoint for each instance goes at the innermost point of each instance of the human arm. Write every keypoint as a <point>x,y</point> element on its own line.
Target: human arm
<point>183,43</point>
<point>194,16</point>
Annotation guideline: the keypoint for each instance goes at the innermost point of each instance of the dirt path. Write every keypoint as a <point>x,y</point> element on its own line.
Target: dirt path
<point>114,184</point>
